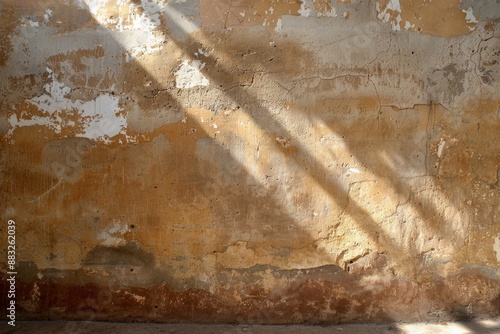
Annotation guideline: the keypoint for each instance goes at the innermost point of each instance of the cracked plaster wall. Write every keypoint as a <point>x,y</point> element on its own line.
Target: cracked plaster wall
<point>252,161</point>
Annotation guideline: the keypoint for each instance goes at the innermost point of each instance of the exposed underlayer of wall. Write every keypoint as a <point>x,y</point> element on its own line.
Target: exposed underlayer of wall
<point>271,161</point>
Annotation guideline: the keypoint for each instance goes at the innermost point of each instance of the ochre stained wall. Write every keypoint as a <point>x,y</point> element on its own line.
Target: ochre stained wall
<point>271,161</point>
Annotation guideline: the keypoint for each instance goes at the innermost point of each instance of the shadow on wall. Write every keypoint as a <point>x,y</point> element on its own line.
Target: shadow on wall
<point>438,220</point>
<point>443,213</point>
<point>211,216</point>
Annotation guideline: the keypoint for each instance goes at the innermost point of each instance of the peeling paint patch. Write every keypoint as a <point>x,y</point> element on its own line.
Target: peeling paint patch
<point>331,13</point>
<point>98,119</point>
<point>29,22</point>
<point>394,5</point>
<point>279,26</point>
<point>48,15</point>
<point>189,75</point>
<point>440,148</point>
<point>150,17</point>
<point>224,15</point>
<point>304,11</point>
<point>324,8</point>
<point>391,10</point>
<point>206,53</point>
<point>440,17</point>
<point>146,19</point>
<point>29,120</point>
<point>469,16</point>
<point>485,10</point>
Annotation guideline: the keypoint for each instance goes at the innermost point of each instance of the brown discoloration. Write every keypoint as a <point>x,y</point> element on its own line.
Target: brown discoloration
<point>322,7</point>
<point>439,17</point>
<point>230,13</point>
<point>235,63</point>
<point>66,18</point>
<point>306,298</point>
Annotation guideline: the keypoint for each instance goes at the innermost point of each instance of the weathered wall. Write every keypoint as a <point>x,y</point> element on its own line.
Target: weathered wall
<point>273,161</point>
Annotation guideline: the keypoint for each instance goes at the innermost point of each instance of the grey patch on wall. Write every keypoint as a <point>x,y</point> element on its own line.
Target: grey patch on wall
<point>485,10</point>
<point>127,255</point>
<point>444,85</point>
<point>489,58</point>
<point>182,18</point>
<point>45,42</point>
<point>486,271</point>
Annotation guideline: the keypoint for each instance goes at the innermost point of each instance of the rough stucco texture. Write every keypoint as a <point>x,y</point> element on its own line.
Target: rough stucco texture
<point>251,161</point>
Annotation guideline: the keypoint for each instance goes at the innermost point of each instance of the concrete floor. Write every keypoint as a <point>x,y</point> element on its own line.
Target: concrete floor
<point>65,327</point>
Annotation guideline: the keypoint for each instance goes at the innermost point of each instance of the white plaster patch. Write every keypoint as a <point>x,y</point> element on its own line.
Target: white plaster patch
<point>279,26</point>
<point>146,20</point>
<point>100,118</point>
<point>393,7</point>
<point>396,26</point>
<point>28,22</point>
<point>496,248</point>
<point>469,16</point>
<point>48,15</point>
<point>354,170</point>
<point>113,236</point>
<point>150,17</point>
<point>55,94</point>
<point>440,148</point>
<point>30,120</point>
<point>331,13</point>
<point>104,121</point>
<point>139,299</point>
<point>203,52</point>
<point>304,11</point>
<point>409,26</point>
<point>189,75</point>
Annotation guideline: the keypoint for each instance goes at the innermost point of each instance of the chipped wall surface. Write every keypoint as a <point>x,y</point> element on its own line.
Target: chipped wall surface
<point>276,161</point>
